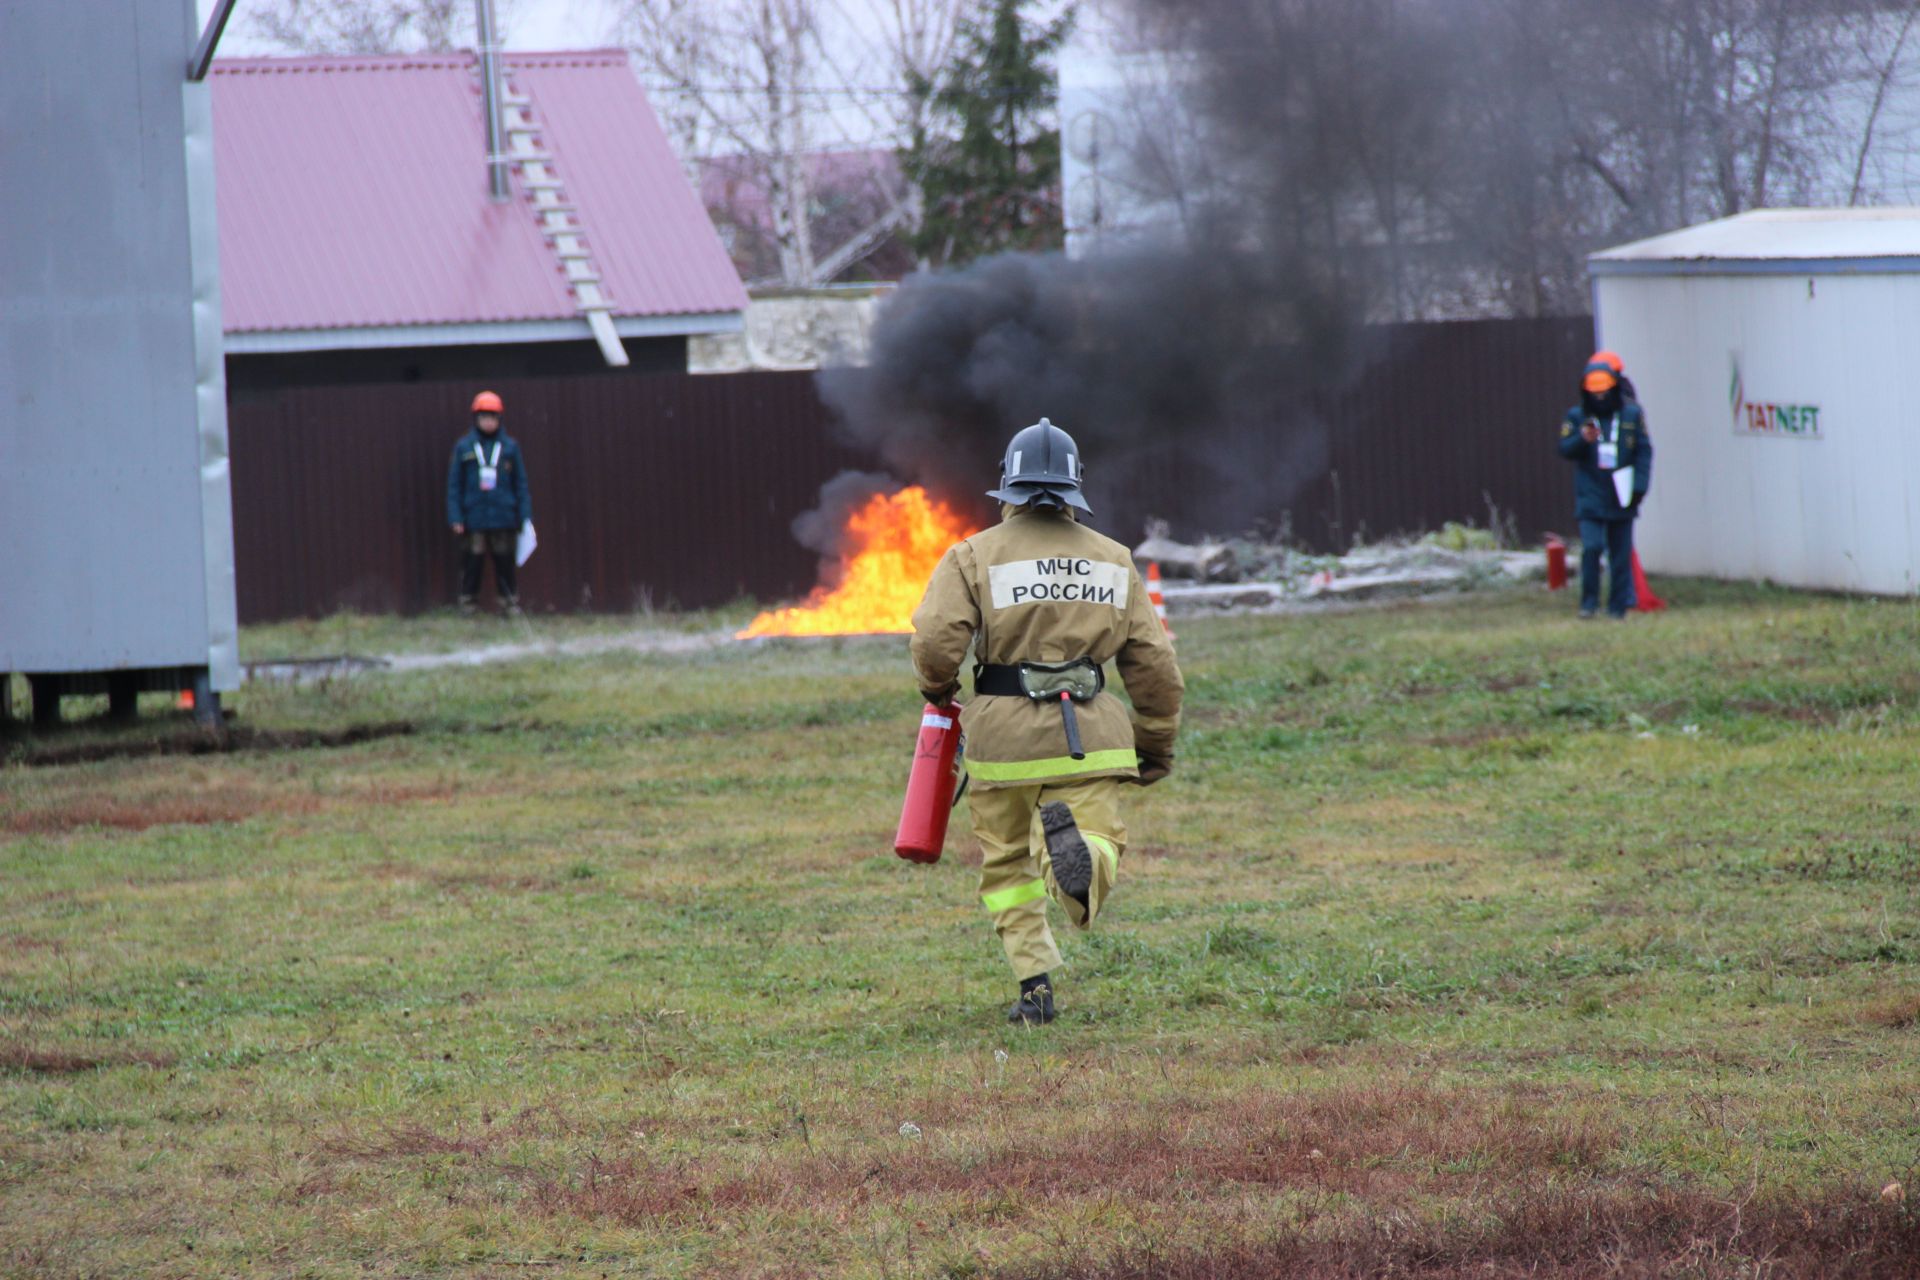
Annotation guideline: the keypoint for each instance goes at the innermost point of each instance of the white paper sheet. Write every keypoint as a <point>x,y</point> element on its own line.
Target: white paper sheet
<point>1622,486</point>
<point>524,547</point>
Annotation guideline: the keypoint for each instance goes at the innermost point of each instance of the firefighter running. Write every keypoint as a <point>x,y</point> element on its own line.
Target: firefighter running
<point>1046,602</point>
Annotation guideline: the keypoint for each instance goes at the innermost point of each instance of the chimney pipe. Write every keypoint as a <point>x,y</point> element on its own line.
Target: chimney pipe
<point>490,99</point>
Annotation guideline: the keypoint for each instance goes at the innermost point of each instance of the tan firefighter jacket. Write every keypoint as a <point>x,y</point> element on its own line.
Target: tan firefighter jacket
<point>1040,587</point>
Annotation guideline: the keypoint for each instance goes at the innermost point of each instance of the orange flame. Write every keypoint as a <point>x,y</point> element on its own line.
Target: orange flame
<point>894,542</point>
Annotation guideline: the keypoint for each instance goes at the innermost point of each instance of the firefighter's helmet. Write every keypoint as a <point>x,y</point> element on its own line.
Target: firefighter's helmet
<point>486,402</point>
<point>1042,465</point>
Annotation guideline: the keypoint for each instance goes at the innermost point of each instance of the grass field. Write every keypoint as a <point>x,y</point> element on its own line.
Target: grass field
<point>1466,940</point>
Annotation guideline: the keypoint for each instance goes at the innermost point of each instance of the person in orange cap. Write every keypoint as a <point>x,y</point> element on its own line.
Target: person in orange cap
<point>487,503</point>
<point>1605,437</point>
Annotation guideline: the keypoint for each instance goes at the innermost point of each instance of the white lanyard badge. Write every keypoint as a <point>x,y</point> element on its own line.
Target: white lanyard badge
<point>489,467</point>
<point>1608,448</point>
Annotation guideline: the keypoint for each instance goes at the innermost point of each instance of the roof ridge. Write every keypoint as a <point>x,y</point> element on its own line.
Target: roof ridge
<point>404,61</point>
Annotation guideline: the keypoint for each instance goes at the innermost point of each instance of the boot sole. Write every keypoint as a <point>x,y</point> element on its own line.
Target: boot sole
<point>1072,860</point>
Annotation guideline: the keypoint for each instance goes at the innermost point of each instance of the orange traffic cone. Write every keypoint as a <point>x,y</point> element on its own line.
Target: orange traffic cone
<point>1153,594</point>
<point>1644,599</point>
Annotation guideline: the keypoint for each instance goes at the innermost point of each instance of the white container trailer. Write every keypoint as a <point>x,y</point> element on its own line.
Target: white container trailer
<point>1777,354</point>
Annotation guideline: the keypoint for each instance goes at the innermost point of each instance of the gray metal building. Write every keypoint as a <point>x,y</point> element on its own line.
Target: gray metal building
<point>117,574</point>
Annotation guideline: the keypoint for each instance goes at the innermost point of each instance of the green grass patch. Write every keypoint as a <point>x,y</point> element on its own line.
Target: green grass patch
<point>1463,933</point>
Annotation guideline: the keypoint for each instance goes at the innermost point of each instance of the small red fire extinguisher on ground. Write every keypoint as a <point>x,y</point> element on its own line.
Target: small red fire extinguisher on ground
<point>1556,563</point>
<point>936,756</point>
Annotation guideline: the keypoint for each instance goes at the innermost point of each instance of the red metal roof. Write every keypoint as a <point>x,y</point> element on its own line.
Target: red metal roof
<point>352,193</point>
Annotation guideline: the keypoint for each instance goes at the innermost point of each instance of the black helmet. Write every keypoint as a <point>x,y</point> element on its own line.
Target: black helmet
<point>1042,463</point>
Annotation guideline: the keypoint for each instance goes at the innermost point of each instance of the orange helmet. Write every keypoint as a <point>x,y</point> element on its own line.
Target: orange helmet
<point>1599,378</point>
<point>1610,360</point>
<point>487,402</point>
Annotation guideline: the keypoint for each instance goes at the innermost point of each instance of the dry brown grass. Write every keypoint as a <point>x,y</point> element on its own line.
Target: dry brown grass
<point>22,1058</point>
<point>1386,1144</point>
<point>1364,1142</point>
<point>220,802</point>
<point>136,805</point>
<point>1572,1234</point>
<point>1896,1012</point>
<point>1377,1181</point>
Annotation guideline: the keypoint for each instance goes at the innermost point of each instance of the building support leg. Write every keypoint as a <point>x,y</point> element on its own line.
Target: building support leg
<point>206,703</point>
<point>123,696</point>
<point>46,701</point>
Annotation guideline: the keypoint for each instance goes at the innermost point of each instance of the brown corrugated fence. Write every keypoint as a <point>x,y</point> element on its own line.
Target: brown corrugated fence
<point>681,490</point>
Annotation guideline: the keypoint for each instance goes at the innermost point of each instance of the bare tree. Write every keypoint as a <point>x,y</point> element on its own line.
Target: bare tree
<point>885,50</point>
<point>1882,46</point>
<point>768,85</point>
<point>1454,156</point>
<point>367,26</point>
<point>742,75</point>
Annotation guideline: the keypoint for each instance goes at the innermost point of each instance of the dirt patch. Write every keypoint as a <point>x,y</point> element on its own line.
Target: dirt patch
<point>1471,737</point>
<point>400,1141</point>
<point>201,742</point>
<point>1612,1233</point>
<point>1898,1013</point>
<point>452,881</point>
<point>1798,712</point>
<point>491,881</point>
<point>1392,1141</point>
<point>19,1058</point>
<point>201,806</point>
<point>1393,1179</point>
<point>157,802</point>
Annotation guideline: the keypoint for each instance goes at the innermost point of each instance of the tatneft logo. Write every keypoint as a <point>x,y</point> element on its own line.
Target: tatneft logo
<point>1755,418</point>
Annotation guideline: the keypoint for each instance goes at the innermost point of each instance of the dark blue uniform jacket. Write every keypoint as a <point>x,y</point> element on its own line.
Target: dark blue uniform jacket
<point>1593,494</point>
<point>507,505</point>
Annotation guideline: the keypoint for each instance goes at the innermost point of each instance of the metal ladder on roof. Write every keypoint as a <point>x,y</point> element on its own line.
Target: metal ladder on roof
<point>559,219</point>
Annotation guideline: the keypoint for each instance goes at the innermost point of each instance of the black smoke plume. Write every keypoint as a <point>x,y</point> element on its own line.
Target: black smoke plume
<point>1197,373</point>
<point>1157,363</point>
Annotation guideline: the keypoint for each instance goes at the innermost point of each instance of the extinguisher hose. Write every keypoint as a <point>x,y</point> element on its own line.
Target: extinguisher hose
<point>960,765</point>
<point>1072,722</point>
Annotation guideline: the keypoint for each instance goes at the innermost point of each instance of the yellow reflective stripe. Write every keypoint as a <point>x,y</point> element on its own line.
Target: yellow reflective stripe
<point>1058,767</point>
<point>1105,846</point>
<point>1001,899</point>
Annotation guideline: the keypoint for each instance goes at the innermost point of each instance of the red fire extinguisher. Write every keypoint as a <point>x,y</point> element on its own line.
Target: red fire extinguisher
<point>923,819</point>
<point>1556,563</point>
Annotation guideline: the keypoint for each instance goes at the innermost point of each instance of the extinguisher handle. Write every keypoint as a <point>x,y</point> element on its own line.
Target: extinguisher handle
<point>1072,722</point>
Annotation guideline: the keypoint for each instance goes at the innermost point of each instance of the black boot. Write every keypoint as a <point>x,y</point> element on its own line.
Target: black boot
<point>1072,860</point>
<point>1035,1004</point>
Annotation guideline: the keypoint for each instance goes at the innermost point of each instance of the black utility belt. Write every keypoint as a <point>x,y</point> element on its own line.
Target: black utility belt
<point>1064,683</point>
<point>1079,679</point>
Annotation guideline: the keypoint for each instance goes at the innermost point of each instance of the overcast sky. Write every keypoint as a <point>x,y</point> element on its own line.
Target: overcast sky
<point>549,25</point>
<point>530,24</point>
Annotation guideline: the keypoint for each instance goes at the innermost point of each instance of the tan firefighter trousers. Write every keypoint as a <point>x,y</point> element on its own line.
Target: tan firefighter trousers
<point>1016,875</point>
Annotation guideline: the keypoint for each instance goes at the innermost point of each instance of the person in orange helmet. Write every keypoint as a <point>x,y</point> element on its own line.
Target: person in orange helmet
<point>1605,438</point>
<point>1613,361</point>
<point>487,503</point>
